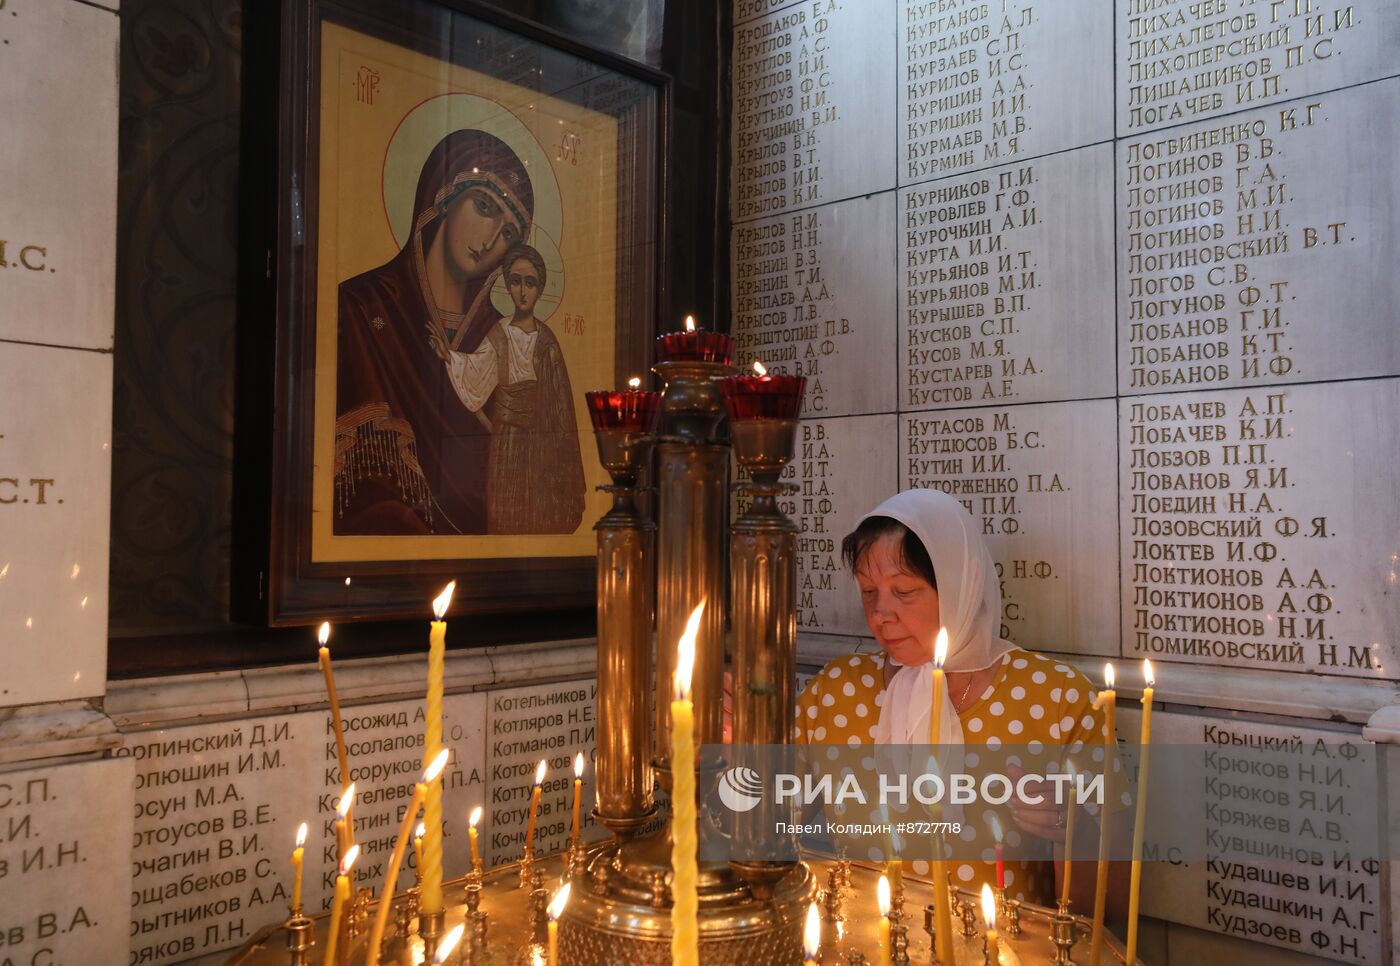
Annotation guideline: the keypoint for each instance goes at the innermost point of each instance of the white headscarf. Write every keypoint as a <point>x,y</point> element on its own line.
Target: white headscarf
<point>969,606</point>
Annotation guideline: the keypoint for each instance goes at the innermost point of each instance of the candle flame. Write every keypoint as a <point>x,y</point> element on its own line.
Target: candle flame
<point>940,647</point>
<point>444,599</point>
<point>989,906</point>
<point>812,934</point>
<point>539,772</point>
<point>690,323</point>
<point>578,765</point>
<point>685,654</point>
<point>634,383</point>
<point>1147,672</point>
<point>475,817</point>
<point>1108,676</point>
<point>449,943</point>
<point>996,828</point>
<point>347,799</point>
<point>536,957</point>
<point>301,835</point>
<point>882,896</point>
<point>347,581</point>
<point>435,769</point>
<point>840,930</point>
<point>560,900</point>
<point>420,831</point>
<point>760,368</point>
<point>349,860</point>
<point>324,634</point>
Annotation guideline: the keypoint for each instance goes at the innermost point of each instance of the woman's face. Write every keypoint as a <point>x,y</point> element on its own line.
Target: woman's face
<point>478,232</point>
<point>901,609</point>
<point>523,283</point>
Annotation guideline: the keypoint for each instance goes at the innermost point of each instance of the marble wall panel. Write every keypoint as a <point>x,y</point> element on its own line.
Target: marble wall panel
<point>1259,528</point>
<point>55,471</point>
<point>1182,62</point>
<point>58,160</point>
<point>745,10</point>
<point>813,106</point>
<point>1004,286</point>
<point>64,861</point>
<point>1032,477</point>
<point>1253,249</point>
<point>814,294</point>
<point>981,84</point>
<point>1332,909</point>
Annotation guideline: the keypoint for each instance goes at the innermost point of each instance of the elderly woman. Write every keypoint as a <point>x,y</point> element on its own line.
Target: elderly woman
<point>920,564</point>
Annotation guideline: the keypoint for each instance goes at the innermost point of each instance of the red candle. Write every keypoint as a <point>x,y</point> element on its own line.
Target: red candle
<point>1001,856</point>
<point>630,409</point>
<point>695,345</point>
<point>763,396</point>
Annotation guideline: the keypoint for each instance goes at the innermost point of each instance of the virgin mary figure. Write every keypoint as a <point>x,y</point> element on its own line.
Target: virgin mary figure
<point>409,457</point>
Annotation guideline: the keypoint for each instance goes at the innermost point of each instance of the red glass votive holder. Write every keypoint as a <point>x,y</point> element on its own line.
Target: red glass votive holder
<point>695,345</point>
<point>763,397</point>
<point>632,410</point>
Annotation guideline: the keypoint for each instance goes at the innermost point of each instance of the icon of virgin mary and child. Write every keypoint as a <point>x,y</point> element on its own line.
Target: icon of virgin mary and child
<point>451,419</point>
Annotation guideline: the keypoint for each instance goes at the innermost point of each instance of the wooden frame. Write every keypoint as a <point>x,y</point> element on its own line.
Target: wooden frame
<point>290,565</point>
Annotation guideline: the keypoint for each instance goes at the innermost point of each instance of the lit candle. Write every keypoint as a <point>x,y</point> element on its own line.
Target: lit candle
<point>762,396</point>
<point>989,915</point>
<point>342,896</point>
<point>534,810</point>
<point>578,790</point>
<point>410,815</point>
<point>942,906</point>
<point>298,861</point>
<point>1139,823</point>
<point>694,345</point>
<point>685,897</point>
<point>812,936</point>
<point>1107,701</point>
<point>449,943</point>
<point>1001,854</point>
<point>1070,809</point>
<point>431,901</point>
<point>418,848</point>
<point>471,834</point>
<point>882,898</point>
<point>324,657</point>
<point>343,836</point>
<point>556,909</point>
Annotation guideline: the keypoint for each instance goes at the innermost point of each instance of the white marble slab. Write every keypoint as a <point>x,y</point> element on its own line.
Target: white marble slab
<point>1259,528</point>
<point>813,106</point>
<point>1263,260</point>
<point>1033,478</point>
<point>1004,288</point>
<point>745,10</point>
<point>58,160</point>
<point>981,84</point>
<point>1332,910</point>
<point>65,860</point>
<point>814,294</point>
<point>55,471</point>
<point>1187,61</point>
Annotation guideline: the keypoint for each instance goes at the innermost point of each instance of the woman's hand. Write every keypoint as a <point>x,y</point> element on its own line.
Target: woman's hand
<point>1044,819</point>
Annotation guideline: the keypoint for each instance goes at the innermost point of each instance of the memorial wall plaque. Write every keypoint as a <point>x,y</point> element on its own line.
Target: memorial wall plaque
<point>55,494</point>
<point>982,84</point>
<point>1032,477</point>
<point>829,317</point>
<point>813,106</point>
<point>1004,289</point>
<point>1258,528</point>
<point>58,216</point>
<point>1325,898</point>
<point>1251,247</point>
<point>1181,62</point>
<point>748,9</point>
<point>65,862</point>
<point>552,722</point>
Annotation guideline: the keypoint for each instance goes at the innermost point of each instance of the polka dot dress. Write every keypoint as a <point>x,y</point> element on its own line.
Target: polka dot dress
<point>1034,700</point>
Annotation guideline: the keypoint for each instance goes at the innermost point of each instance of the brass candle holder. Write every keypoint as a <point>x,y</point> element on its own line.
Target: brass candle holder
<point>1062,934</point>
<point>301,936</point>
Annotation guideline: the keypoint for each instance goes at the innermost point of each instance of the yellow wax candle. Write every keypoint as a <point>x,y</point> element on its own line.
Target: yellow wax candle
<point>342,897</point>
<point>1140,821</point>
<point>812,936</point>
<point>471,834</point>
<point>989,916</point>
<point>685,897</point>
<point>1070,808</point>
<point>323,655</point>
<point>343,837</point>
<point>882,896</point>
<point>534,810</point>
<point>431,892</point>
<point>578,790</point>
<point>298,863</point>
<point>410,815</point>
<point>449,943</point>
<point>555,910</point>
<point>1106,700</point>
<point>418,849</point>
<point>942,904</point>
